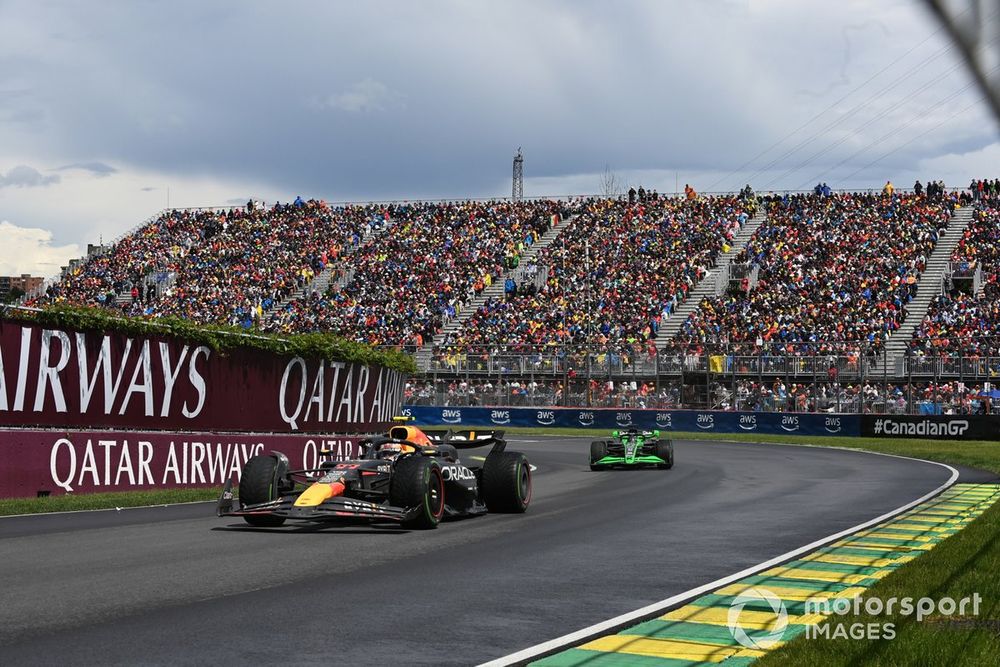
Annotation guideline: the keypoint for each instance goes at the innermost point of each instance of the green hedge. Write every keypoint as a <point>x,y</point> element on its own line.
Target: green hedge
<point>217,337</point>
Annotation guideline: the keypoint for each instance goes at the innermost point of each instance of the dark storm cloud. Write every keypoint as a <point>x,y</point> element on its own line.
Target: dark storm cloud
<point>374,99</point>
<point>388,99</point>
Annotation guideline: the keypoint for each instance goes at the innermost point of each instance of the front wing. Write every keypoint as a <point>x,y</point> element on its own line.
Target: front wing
<point>622,461</point>
<point>334,509</point>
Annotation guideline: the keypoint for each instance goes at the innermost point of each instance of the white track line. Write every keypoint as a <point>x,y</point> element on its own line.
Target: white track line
<point>587,633</point>
<point>108,509</point>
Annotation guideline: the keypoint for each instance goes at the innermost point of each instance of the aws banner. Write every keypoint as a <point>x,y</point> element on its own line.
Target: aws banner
<point>53,462</point>
<point>71,379</point>
<point>771,423</point>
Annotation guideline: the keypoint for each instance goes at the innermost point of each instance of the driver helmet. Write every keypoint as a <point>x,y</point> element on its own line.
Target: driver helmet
<point>390,450</point>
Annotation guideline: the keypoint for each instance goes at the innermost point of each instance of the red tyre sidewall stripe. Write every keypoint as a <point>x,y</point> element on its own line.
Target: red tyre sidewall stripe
<point>527,472</point>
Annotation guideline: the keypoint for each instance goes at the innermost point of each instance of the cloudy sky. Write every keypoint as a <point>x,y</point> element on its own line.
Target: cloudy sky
<point>107,109</point>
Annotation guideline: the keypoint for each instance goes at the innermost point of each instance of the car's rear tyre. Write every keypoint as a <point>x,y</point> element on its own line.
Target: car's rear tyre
<point>257,485</point>
<point>598,450</point>
<point>417,482</point>
<point>507,482</point>
<point>665,450</point>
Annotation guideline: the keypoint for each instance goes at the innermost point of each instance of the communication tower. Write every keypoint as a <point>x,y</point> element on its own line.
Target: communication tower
<point>517,191</point>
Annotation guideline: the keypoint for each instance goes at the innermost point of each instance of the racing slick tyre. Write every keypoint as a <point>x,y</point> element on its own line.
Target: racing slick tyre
<point>507,482</point>
<point>417,482</point>
<point>598,450</point>
<point>665,450</point>
<point>257,485</point>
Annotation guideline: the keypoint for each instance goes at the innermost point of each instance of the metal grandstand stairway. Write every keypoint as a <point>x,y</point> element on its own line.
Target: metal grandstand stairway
<point>929,287</point>
<point>319,283</point>
<point>708,286</point>
<point>338,273</point>
<point>423,355</point>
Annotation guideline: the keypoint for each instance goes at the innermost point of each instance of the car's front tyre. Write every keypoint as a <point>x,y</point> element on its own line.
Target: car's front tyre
<point>257,485</point>
<point>665,450</point>
<point>598,450</point>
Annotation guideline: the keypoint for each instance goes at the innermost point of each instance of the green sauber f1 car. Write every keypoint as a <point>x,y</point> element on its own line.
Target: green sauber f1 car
<point>632,448</point>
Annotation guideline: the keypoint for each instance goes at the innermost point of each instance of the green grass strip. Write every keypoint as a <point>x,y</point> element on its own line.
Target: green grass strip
<point>105,501</point>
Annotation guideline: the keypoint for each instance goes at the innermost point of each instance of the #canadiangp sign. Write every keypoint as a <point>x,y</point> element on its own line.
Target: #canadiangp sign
<point>35,461</point>
<point>51,377</point>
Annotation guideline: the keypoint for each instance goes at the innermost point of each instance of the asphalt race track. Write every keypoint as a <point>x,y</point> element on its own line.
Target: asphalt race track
<point>179,586</point>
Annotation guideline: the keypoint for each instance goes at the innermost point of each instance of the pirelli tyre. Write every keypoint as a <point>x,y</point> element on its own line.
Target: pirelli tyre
<point>598,450</point>
<point>258,485</point>
<point>417,482</point>
<point>507,482</point>
<point>665,450</point>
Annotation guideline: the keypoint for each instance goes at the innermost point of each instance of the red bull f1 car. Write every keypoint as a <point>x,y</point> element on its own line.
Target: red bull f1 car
<point>630,448</point>
<point>410,476</point>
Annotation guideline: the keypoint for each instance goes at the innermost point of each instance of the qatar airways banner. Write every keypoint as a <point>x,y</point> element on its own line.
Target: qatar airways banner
<point>53,462</point>
<point>68,379</point>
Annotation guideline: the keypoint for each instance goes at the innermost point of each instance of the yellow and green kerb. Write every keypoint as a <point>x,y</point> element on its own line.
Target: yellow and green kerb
<point>699,632</point>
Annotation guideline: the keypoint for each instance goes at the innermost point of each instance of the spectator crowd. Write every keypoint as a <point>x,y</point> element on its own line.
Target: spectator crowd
<point>610,277</point>
<point>963,321</point>
<point>836,272</point>
<point>408,282</point>
<point>827,275</point>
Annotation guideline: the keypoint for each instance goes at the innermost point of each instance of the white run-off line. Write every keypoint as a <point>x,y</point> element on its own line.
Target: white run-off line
<point>656,608</point>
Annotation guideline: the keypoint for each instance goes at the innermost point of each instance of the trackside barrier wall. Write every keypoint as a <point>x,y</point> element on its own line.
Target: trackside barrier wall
<point>36,462</point>
<point>81,380</point>
<point>87,411</point>
<point>958,427</point>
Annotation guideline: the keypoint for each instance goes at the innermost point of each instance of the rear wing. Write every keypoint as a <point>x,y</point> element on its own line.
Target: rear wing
<point>620,433</point>
<point>467,439</point>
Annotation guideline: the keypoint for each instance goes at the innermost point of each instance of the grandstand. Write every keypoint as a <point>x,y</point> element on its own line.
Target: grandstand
<point>963,320</point>
<point>801,301</point>
<point>827,274</point>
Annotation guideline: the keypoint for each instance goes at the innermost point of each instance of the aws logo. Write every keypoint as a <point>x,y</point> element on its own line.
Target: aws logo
<point>832,425</point>
<point>664,420</point>
<point>623,418</point>
<point>545,417</point>
<point>500,416</point>
<point>585,418</point>
<point>790,423</point>
<point>748,422</point>
<point>451,416</point>
<point>705,421</point>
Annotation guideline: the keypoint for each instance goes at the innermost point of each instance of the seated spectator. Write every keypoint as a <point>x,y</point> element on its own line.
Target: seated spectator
<point>613,274</point>
<point>835,274</point>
